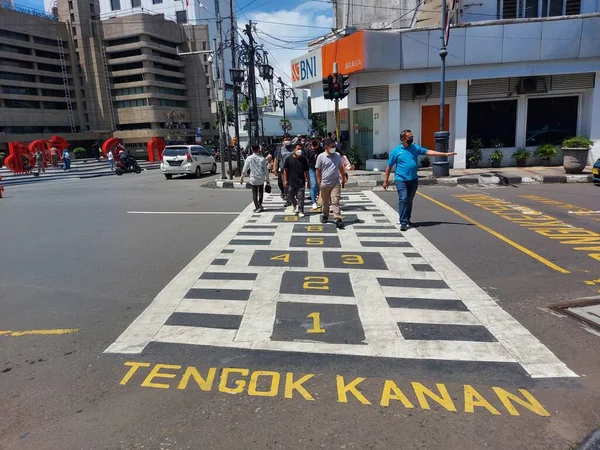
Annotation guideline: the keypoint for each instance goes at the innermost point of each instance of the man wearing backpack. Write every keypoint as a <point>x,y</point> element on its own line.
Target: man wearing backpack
<point>285,151</point>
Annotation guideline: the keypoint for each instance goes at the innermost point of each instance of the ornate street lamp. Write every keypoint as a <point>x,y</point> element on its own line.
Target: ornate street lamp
<point>295,99</point>
<point>237,75</point>
<point>265,71</point>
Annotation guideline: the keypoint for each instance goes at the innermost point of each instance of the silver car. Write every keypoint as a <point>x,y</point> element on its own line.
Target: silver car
<point>187,160</point>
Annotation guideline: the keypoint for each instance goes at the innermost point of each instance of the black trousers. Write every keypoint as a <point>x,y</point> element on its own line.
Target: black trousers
<point>257,195</point>
<point>284,193</point>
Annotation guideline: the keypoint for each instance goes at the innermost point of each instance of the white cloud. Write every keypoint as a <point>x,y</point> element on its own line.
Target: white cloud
<point>311,14</point>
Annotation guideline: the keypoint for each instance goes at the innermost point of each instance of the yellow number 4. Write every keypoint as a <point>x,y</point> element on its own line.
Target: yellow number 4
<point>352,260</point>
<point>285,258</point>
<point>314,241</point>
<point>290,218</point>
<point>320,283</point>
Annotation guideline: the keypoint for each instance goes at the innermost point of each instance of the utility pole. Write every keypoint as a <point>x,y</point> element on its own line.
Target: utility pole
<point>235,88</point>
<point>337,105</point>
<point>441,167</point>
<point>282,92</point>
<point>224,89</point>
<point>218,108</point>
<point>252,85</point>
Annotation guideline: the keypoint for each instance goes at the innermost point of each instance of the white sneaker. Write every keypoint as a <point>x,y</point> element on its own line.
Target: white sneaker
<point>314,207</point>
<point>300,214</point>
<point>295,209</point>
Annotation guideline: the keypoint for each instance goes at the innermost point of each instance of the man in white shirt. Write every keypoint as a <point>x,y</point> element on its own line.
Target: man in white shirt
<point>259,175</point>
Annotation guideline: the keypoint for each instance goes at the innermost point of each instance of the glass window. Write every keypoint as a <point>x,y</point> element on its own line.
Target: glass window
<point>13,49</point>
<point>19,90</point>
<point>156,2</point>
<point>17,77</point>
<point>491,121</point>
<point>136,3</point>
<point>15,63</point>
<point>123,41</point>
<point>14,35</point>
<point>550,120</point>
<point>181,16</point>
<point>115,5</point>
<point>21,104</point>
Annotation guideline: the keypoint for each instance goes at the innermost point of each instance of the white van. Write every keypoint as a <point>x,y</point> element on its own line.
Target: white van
<point>187,160</point>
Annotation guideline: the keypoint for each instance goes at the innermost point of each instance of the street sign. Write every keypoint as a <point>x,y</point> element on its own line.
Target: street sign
<point>198,135</point>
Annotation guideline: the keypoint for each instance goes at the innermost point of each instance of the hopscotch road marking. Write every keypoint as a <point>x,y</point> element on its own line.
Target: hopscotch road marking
<point>184,213</point>
<point>401,298</point>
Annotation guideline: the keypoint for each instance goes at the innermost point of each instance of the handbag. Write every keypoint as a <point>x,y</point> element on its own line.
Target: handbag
<point>268,188</point>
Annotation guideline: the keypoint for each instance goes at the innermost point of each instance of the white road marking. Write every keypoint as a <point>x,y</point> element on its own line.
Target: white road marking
<point>535,357</point>
<point>406,315</point>
<point>194,306</point>
<point>383,337</point>
<point>187,213</point>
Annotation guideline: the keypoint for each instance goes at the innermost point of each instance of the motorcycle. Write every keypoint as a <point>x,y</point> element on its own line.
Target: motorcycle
<point>128,167</point>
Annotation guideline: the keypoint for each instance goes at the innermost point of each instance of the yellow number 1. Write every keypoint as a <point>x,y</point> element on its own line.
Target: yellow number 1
<point>316,317</point>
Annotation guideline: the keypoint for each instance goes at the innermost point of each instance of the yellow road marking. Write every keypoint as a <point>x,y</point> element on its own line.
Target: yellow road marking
<point>498,235</point>
<point>39,332</point>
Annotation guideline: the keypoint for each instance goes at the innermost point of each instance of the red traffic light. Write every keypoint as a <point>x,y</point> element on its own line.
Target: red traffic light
<point>336,87</point>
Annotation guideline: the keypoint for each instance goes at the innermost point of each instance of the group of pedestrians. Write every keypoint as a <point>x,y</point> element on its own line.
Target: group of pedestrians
<point>315,166</point>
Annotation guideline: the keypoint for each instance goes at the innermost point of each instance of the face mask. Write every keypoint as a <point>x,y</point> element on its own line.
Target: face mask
<point>331,151</point>
<point>298,152</point>
<point>286,143</point>
<point>410,141</point>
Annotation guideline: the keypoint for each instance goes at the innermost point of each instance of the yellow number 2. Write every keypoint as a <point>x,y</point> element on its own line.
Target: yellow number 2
<point>285,258</point>
<point>314,241</point>
<point>320,283</point>
<point>316,317</point>
<point>352,260</point>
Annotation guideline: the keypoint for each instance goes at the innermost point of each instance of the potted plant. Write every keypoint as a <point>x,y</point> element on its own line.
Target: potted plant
<point>546,152</point>
<point>354,157</point>
<point>575,153</point>
<point>79,152</point>
<point>425,162</point>
<point>2,156</point>
<point>496,158</point>
<point>521,155</point>
<point>474,155</point>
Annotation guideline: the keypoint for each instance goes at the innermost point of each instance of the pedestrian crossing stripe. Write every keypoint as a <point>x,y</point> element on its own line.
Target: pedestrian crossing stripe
<point>377,292</point>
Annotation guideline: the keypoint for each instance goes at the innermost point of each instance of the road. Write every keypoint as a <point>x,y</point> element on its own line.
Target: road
<point>182,320</point>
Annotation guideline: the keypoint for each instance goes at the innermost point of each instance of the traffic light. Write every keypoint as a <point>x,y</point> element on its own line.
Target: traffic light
<point>337,88</point>
<point>344,84</point>
<point>328,87</point>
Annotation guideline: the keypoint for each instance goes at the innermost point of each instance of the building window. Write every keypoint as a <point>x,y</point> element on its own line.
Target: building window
<point>136,3</point>
<point>166,79</point>
<point>492,121</point>
<point>551,120</point>
<point>173,103</point>
<point>74,31</point>
<point>92,8</point>
<point>208,92</point>
<point>21,104</point>
<point>181,16</point>
<point>70,4</point>
<point>56,105</point>
<point>131,91</point>
<point>19,90</point>
<point>123,41</point>
<point>131,103</point>
<point>115,5</point>
<point>72,18</point>
<point>46,41</point>
<point>13,49</point>
<point>163,42</point>
<point>45,54</point>
<point>17,77</point>
<point>14,35</point>
<point>53,93</point>
<point>204,45</point>
<point>171,91</point>
<point>156,2</point>
<point>50,80</point>
<point>128,79</point>
<point>512,9</point>
<point>162,66</point>
<point>51,68</point>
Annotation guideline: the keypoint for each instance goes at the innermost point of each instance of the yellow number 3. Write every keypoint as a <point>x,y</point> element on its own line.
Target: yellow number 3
<point>352,260</point>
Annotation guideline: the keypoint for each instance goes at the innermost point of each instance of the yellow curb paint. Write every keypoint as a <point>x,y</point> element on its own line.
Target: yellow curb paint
<point>498,235</point>
<point>39,332</point>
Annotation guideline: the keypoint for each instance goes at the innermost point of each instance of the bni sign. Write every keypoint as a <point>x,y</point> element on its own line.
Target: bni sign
<point>306,69</point>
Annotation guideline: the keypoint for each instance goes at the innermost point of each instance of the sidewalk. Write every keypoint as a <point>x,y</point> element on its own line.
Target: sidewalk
<point>79,169</point>
<point>485,176</point>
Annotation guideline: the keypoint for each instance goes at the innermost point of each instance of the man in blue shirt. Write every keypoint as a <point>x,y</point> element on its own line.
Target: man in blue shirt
<point>406,159</point>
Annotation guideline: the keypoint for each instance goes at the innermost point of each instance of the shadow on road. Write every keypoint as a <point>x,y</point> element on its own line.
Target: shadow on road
<point>433,224</point>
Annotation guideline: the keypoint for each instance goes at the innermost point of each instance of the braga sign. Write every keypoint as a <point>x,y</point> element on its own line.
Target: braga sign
<point>307,69</point>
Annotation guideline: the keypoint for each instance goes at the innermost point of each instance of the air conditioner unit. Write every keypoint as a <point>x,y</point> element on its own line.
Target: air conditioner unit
<point>421,90</point>
<point>531,85</point>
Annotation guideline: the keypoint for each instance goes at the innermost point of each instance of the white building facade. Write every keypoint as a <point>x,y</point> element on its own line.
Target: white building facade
<point>511,83</point>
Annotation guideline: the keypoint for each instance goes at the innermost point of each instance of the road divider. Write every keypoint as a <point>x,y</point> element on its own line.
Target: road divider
<point>387,393</point>
<point>577,238</point>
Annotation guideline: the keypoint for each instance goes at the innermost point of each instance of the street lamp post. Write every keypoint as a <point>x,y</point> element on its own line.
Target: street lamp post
<point>441,167</point>
<point>284,92</point>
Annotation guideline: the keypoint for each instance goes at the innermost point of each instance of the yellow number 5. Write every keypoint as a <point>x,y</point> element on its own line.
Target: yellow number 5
<point>352,260</point>
<point>320,283</point>
<point>314,241</point>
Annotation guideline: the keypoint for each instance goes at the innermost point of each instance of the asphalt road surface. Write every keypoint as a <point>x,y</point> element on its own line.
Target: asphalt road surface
<point>137,312</point>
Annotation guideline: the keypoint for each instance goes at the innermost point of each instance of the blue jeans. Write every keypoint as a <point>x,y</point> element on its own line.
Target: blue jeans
<point>406,194</point>
<point>314,186</point>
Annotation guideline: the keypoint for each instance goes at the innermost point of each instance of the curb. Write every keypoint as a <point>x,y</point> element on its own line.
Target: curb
<point>501,180</point>
<point>591,442</point>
